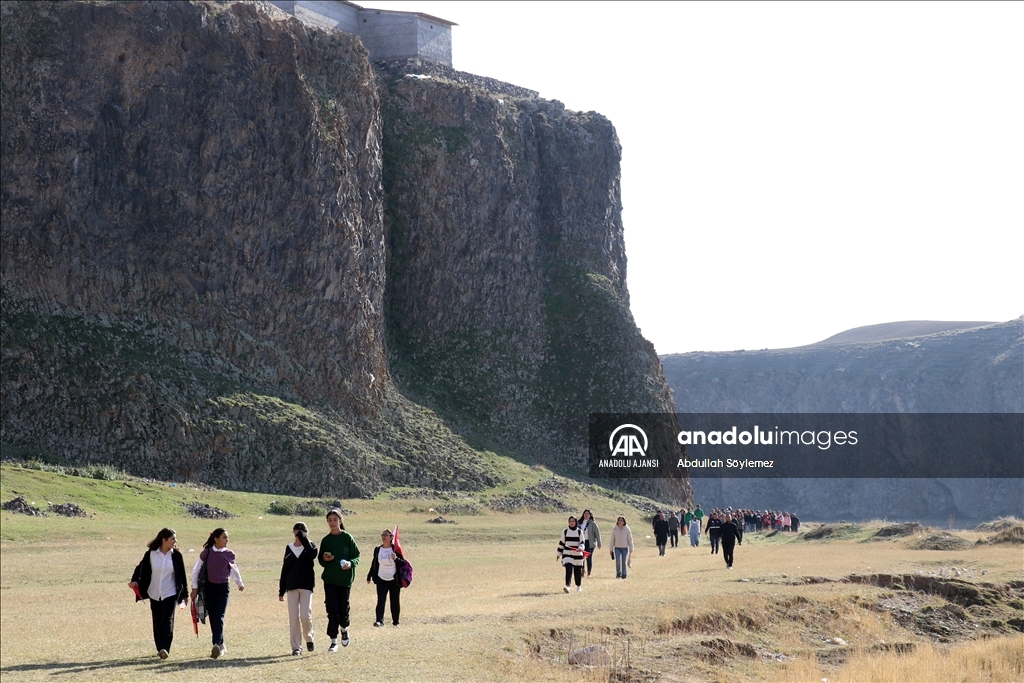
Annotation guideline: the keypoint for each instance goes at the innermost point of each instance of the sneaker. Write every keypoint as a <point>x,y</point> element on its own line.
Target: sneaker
<point>378,624</point>
<point>215,652</point>
<point>334,645</point>
<point>618,576</point>
<point>162,654</point>
<point>297,651</point>
<point>309,646</point>
<point>223,648</point>
<point>344,637</point>
<point>566,589</point>
<point>729,567</point>
<point>395,624</point>
<point>579,589</point>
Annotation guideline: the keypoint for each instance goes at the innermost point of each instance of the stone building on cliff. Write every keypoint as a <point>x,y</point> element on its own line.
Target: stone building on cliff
<point>386,34</point>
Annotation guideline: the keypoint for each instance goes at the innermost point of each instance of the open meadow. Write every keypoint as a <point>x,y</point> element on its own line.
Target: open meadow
<point>487,603</point>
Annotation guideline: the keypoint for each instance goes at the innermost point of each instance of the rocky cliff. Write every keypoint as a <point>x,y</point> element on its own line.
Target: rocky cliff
<point>976,370</point>
<point>235,252</point>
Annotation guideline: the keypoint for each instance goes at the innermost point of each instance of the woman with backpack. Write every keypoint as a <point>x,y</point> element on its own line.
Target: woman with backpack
<point>297,581</point>
<point>219,566</point>
<point>160,577</point>
<point>384,573</point>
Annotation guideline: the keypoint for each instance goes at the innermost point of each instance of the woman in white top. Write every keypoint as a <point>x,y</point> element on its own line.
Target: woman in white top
<point>622,546</point>
<point>384,573</point>
<point>160,576</point>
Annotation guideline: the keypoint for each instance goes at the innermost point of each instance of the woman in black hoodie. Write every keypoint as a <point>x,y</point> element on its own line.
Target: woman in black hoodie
<point>297,580</point>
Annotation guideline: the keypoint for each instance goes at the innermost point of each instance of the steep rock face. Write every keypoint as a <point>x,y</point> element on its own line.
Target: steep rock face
<point>507,302</point>
<point>199,281</point>
<point>193,252</point>
<point>976,370</point>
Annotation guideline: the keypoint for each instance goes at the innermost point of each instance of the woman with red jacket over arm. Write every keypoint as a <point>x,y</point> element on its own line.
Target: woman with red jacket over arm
<point>161,578</point>
<point>220,568</point>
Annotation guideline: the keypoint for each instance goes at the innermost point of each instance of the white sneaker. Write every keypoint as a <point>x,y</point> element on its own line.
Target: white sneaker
<point>566,589</point>
<point>334,645</point>
<point>579,589</point>
<point>162,654</point>
<point>297,651</point>
<point>344,637</point>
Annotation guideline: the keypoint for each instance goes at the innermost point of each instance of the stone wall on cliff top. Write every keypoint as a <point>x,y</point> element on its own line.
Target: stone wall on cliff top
<point>198,282</point>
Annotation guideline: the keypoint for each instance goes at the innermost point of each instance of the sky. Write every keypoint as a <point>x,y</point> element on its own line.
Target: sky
<point>789,170</point>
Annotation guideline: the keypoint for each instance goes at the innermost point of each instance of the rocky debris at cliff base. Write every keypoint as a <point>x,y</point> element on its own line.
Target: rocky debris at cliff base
<point>22,506</point>
<point>336,504</point>
<point>941,541</point>
<point>441,520</point>
<point>67,510</point>
<point>528,499</point>
<point>204,511</point>
<point>899,530</point>
<point>466,509</point>
<point>553,485</point>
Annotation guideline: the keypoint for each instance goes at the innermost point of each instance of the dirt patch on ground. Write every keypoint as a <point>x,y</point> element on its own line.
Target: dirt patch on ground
<point>899,530</point>
<point>941,541</point>
<point>1014,535</point>
<point>67,510</point>
<point>22,507</point>
<point>833,532</point>
<point>1001,524</point>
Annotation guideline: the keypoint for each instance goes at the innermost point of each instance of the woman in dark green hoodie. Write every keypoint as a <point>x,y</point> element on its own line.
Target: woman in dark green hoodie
<point>339,557</point>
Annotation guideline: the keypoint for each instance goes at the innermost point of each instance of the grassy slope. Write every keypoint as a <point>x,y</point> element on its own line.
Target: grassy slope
<point>486,603</point>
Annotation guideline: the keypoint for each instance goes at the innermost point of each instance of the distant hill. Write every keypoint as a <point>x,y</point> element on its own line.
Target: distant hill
<point>899,330</point>
<point>963,367</point>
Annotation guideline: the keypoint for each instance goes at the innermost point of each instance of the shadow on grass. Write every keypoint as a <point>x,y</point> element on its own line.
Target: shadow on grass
<point>149,664</point>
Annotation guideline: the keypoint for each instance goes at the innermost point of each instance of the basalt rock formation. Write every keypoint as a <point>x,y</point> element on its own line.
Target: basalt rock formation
<point>972,370</point>
<point>235,252</point>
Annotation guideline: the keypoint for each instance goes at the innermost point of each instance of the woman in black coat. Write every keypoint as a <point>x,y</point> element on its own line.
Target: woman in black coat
<point>160,577</point>
<point>297,580</point>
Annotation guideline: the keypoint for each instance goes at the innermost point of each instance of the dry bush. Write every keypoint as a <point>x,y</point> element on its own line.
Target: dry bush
<point>983,661</point>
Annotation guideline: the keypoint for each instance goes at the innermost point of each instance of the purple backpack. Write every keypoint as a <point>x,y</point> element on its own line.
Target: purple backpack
<point>404,571</point>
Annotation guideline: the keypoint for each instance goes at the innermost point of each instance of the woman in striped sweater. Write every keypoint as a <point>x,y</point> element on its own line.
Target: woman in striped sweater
<point>570,553</point>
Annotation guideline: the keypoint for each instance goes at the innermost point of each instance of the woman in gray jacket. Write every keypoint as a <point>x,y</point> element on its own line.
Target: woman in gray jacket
<point>591,536</point>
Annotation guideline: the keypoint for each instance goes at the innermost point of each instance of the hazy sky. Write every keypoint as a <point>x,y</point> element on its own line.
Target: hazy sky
<point>789,170</point>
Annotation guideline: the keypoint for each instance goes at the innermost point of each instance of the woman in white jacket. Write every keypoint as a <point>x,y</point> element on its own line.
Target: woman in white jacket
<point>622,546</point>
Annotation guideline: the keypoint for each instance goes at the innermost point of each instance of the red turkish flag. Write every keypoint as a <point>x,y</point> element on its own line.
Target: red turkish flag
<point>394,542</point>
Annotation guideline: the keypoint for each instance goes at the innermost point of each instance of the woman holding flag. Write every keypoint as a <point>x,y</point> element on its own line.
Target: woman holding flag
<point>384,573</point>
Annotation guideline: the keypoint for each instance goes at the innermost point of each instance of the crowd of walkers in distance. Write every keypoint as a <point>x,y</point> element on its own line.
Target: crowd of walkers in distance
<point>160,577</point>
<point>723,527</point>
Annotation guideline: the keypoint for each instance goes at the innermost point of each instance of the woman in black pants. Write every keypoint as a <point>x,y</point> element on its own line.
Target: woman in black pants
<point>220,567</point>
<point>384,573</point>
<point>160,576</point>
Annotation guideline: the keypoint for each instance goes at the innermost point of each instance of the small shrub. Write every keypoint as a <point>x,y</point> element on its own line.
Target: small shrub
<point>277,508</point>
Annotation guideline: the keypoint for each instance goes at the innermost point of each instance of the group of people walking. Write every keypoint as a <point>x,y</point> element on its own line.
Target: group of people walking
<point>160,577</point>
<point>581,538</point>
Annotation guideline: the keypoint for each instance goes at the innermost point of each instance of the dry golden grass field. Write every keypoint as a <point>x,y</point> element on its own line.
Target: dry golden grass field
<point>487,601</point>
